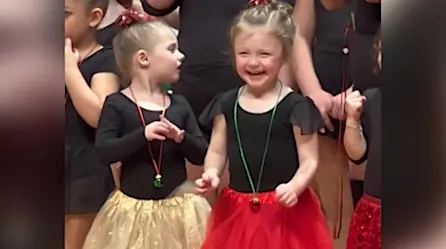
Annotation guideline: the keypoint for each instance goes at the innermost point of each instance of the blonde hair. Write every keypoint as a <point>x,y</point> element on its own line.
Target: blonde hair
<point>276,16</point>
<point>139,35</point>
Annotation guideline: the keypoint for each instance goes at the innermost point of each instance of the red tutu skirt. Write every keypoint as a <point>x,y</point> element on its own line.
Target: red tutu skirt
<point>234,225</point>
<point>365,227</point>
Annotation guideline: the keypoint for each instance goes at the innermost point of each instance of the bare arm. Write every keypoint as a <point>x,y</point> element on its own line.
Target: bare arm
<point>173,19</point>
<point>305,19</point>
<point>88,101</point>
<point>307,149</point>
<point>354,141</point>
<point>216,156</point>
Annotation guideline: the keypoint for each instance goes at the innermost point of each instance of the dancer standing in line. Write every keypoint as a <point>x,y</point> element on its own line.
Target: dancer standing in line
<point>89,77</point>
<point>269,135</point>
<point>361,66</point>
<point>362,141</point>
<point>208,69</point>
<point>151,131</point>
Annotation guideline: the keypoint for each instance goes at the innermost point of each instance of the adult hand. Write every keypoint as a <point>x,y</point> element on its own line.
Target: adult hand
<point>324,103</point>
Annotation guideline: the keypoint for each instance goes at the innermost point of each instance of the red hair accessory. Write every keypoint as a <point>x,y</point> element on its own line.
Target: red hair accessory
<point>253,3</point>
<point>128,17</point>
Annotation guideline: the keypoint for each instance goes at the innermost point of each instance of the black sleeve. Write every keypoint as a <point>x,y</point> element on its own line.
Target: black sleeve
<point>365,124</point>
<point>107,63</point>
<point>306,116</point>
<point>194,146</point>
<point>157,12</point>
<point>110,146</point>
<point>213,109</point>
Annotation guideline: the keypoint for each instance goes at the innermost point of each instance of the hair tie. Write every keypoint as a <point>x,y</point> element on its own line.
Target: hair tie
<point>253,3</point>
<point>129,17</point>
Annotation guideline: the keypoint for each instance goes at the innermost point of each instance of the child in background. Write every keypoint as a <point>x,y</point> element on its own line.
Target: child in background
<point>362,140</point>
<point>89,77</point>
<point>269,135</point>
<point>152,132</point>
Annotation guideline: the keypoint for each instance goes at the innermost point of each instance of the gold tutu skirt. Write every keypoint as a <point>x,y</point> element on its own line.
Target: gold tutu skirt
<point>178,222</point>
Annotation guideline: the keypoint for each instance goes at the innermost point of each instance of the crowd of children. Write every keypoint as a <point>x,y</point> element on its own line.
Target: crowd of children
<point>132,102</point>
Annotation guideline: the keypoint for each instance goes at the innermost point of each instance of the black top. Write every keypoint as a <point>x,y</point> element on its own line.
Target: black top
<point>328,58</point>
<point>80,157</point>
<point>371,124</point>
<point>106,35</point>
<point>282,160</point>
<point>120,137</point>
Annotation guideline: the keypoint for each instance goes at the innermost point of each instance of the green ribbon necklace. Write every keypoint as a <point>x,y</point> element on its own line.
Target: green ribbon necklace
<point>255,203</point>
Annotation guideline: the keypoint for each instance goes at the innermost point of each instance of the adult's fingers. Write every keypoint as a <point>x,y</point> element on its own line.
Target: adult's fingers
<point>327,121</point>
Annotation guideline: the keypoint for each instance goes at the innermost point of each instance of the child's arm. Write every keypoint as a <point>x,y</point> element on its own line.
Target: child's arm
<point>307,149</point>
<point>354,142</point>
<point>111,147</point>
<point>88,101</point>
<point>216,156</point>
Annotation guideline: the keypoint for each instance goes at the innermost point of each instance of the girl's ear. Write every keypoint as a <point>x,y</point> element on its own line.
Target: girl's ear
<point>142,57</point>
<point>96,17</point>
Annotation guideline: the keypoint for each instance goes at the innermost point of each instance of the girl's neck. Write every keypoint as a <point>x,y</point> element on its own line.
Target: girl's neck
<point>140,84</point>
<point>259,92</point>
<point>113,11</point>
<point>87,46</point>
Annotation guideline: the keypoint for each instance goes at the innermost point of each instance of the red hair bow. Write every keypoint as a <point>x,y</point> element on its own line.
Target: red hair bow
<point>128,17</point>
<point>253,3</point>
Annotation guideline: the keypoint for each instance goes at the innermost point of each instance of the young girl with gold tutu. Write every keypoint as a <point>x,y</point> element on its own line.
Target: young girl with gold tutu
<point>268,133</point>
<point>151,131</point>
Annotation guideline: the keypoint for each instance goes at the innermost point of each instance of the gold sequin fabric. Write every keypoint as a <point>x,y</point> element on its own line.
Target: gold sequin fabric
<point>178,222</point>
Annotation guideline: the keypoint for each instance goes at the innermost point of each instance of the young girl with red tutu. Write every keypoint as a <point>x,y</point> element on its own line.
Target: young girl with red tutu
<point>269,135</point>
<point>362,141</point>
<point>151,131</point>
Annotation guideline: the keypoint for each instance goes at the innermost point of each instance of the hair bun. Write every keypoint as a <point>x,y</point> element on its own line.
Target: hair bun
<point>131,16</point>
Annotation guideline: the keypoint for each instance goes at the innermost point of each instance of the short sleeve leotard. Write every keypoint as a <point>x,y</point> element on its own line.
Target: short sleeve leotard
<point>87,183</point>
<point>282,159</point>
<point>121,137</point>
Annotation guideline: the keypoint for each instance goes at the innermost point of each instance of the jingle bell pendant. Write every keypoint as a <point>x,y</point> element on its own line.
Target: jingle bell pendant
<point>157,181</point>
<point>255,204</point>
<point>166,88</point>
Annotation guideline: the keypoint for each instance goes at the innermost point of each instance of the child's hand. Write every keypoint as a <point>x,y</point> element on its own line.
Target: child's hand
<point>156,131</point>
<point>71,55</point>
<point>286,195</point>
<point>338,112</point>
<point>209,181</point>
<point>354,104</point>
<point>174,132</point>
